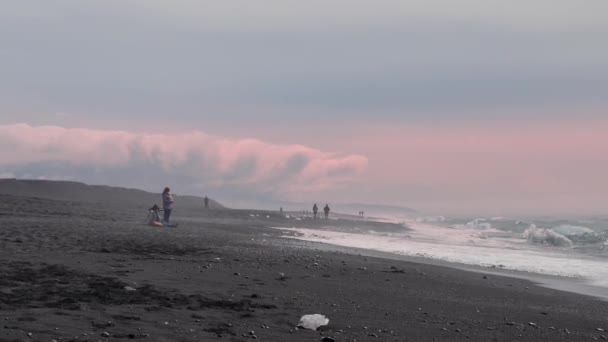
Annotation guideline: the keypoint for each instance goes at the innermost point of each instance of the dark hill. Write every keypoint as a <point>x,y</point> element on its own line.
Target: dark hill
<point>80,192</point>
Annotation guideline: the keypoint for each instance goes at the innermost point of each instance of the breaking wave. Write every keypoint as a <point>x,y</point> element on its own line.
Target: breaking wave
<point>546,236</point>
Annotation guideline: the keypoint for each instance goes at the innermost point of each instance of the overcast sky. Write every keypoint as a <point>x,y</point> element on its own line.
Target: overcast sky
<point>480,107</point>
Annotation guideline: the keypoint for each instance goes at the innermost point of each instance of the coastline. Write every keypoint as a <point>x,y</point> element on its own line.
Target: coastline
<point>73,271</point>
<point>555,282</point>
<point>578,285</point>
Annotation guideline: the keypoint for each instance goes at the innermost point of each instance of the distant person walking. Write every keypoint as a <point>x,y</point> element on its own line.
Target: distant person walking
<point>326,211</point>
<point>206,200</point>
<point>315,210</point>
<point>167,205</point>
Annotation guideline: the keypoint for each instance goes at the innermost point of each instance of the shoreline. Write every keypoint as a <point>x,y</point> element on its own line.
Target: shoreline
<point>561,283</point>
<point>70,271</point>
<point>575,285</point>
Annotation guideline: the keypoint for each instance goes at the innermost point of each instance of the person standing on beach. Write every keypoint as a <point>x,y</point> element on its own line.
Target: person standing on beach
<point>206,200</point>
<point>326,210</point>
<point>315,210</point>
<point>167,204</point>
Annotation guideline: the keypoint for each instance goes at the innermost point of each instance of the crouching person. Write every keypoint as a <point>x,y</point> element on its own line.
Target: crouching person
<point>154,217</point>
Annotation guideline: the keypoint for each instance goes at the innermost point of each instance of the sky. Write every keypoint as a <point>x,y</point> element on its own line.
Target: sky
<point>484,108</point>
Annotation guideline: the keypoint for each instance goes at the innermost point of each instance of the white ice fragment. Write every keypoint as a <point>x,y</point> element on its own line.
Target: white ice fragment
<point>313,322</point>
<point>546,237</point>
<point>129,289</point>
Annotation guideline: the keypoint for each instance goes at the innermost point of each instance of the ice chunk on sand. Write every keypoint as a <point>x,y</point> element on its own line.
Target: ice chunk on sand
<point>313,322</point>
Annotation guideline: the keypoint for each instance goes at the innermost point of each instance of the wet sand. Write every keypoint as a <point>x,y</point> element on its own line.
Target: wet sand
<point>93,271</point>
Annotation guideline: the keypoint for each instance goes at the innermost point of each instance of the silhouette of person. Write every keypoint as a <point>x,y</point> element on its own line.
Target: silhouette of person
<point>206,200</point>
<point>315,210</point>
<point>326,210</point>
<point>281,210</point>
<point>167,204</point>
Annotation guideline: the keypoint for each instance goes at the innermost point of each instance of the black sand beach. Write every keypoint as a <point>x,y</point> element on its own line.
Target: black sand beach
<point>91,270</point>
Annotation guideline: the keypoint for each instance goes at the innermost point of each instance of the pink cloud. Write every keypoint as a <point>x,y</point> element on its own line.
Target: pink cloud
<point>207,159</point>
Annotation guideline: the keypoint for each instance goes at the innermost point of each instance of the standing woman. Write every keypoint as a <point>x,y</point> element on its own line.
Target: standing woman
<point>167,204</point>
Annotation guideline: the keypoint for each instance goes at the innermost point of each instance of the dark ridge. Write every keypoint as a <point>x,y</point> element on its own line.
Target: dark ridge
<point>81,192</point>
